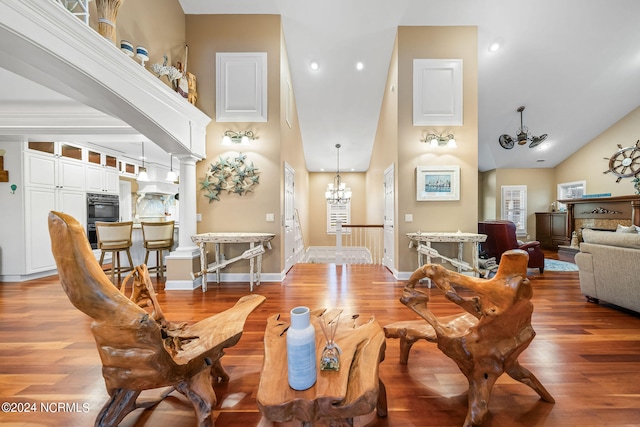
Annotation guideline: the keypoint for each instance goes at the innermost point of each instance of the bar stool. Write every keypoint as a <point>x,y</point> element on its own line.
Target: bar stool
<point>115,237</point>
<point>158,236</point>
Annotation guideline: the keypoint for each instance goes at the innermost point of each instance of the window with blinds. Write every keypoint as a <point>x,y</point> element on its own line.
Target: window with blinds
<point>514,206</point>
<point>335,212</point>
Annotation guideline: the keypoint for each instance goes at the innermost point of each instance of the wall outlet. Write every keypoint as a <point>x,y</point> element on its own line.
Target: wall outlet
<point>408,217</point>
<point>271,217</point>
<point>198,217</point>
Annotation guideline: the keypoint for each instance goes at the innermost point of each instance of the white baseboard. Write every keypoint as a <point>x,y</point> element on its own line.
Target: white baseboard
<point>182,285</point>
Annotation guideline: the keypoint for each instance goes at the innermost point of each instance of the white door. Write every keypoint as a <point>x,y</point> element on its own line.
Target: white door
<point>389,219</point>
<point>289,219</point>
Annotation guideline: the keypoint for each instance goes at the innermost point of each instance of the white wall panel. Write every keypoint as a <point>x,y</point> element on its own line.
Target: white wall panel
<point>241,87</point>
<point>437,92</point>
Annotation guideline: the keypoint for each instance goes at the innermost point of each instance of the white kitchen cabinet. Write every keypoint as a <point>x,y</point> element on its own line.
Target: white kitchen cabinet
<point>38,203</point>
<point>53,172</point>
<point>101,179</point>
<point>101,174</point>
<point>54,180</point>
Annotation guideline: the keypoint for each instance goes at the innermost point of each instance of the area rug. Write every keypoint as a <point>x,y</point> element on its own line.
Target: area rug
<point>555,265</point>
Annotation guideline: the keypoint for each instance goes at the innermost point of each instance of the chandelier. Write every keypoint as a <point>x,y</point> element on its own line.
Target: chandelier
<point>522,136</point>
<point>337,191</point>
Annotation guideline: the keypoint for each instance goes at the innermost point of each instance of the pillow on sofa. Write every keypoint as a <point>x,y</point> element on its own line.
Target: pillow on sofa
<point>623,229</point>
<point>625,240</point>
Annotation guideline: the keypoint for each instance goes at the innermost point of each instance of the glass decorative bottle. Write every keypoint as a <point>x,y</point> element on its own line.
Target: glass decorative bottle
<point>330,359</point>
<point>301,350</point>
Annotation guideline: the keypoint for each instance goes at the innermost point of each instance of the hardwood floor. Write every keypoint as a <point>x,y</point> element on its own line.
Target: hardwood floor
<point>586,355</point>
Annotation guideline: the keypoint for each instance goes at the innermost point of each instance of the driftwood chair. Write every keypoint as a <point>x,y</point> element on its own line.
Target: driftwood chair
<point>141,350</point>
<point>485,341</point>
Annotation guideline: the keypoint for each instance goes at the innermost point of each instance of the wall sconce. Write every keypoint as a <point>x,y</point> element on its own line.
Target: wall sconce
<point>440,140</point>
<point>232,137</point>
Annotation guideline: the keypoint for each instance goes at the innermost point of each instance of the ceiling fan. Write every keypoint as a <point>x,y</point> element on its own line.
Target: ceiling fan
<point>523,135</point>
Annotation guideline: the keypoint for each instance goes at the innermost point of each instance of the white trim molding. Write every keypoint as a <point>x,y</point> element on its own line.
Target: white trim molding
<point>437,92</point>
<point>241,86</point>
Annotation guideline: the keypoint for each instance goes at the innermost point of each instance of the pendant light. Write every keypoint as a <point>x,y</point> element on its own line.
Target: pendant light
<point>171,175</point>
<point>337,192</point>
<point>142,175</point>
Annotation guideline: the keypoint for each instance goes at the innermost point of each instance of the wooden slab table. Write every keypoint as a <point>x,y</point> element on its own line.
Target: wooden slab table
<point>230,237</point>
<point>354,390</point>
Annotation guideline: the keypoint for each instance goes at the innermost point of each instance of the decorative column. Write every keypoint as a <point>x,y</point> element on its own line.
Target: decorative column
<point>182,262</point>
<point>187,209</point>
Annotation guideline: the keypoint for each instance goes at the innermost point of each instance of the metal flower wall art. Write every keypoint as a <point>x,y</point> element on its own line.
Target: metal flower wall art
<point>231,174</point>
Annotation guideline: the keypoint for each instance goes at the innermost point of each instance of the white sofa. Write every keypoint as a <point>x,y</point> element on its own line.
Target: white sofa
<point>609,267</point>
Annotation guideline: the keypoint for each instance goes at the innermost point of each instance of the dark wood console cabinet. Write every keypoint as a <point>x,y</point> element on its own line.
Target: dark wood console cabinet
<point>551,229</point>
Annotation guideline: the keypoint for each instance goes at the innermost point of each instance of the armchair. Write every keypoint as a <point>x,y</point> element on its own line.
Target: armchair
<point>501,237</point>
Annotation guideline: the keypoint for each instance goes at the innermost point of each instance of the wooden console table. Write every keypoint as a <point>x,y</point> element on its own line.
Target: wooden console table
<point>445,237</point>
<point>354,390</point>
<point>217,238</point>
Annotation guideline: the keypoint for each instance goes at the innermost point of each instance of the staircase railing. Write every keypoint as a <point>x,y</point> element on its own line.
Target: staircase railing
<point>359,244</point>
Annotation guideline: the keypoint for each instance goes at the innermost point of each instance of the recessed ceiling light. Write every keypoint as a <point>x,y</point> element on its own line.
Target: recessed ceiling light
<point>359,66</point>
<point>496,45</point>
<point>314,65</point>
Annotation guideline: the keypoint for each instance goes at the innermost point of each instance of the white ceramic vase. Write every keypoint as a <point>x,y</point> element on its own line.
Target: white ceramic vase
<point>301,350</point>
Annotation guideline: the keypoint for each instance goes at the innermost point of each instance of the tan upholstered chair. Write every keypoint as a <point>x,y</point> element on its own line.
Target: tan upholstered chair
<point>158,236</point>
<point>115,237</point>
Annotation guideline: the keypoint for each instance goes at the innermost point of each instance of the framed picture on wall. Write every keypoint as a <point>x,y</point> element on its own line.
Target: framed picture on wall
<point>437,183</point>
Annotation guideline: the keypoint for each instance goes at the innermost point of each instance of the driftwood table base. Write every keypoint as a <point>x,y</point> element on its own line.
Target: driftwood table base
<point>139,348</point>
<point>336,397</point>
<point>487,340</point>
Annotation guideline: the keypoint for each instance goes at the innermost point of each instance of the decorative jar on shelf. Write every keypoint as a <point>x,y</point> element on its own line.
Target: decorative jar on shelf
<point>301,350</point>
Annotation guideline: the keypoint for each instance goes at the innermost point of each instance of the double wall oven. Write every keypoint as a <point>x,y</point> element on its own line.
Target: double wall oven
<point>101,207</point>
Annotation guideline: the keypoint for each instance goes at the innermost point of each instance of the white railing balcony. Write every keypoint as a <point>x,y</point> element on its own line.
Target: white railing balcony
<point>359,244</point>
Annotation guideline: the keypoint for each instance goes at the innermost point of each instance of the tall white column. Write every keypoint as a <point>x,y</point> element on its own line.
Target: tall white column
<point>181,261</point>
<point>187,206</point>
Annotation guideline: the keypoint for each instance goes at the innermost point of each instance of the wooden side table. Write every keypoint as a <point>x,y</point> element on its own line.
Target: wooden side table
<point>354,390</point>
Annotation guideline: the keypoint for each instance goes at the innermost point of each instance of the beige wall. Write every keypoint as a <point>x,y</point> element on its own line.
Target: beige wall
<point>487,195</point>
<point>590,161</point>
<point>206,35</point>
<point>158,25</point>
<point>291,143</point>
<point>438,43</point>
<point>318,182</point>
<point>385,146</point>
<point>540,190</point>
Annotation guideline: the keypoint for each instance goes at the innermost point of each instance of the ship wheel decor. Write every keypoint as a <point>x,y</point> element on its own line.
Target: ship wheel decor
<point>625,163</point>
<point>231,174</point>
